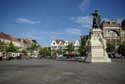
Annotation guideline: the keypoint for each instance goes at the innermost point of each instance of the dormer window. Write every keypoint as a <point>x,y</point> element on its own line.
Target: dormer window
<point>53,43</point>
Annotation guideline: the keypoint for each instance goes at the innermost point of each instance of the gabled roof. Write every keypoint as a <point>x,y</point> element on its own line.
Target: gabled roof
<point>27,41</point>
<point>8,37</point>
<point>76,43</point>
<point>57,41</point>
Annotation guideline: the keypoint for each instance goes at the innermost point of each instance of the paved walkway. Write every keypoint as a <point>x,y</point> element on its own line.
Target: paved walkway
<point>42,71</point>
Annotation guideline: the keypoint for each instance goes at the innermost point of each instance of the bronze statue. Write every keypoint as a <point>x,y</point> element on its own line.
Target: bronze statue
<point>96,19</point>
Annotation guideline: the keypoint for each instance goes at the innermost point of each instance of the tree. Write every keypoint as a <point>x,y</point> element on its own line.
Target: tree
<point>60,51</point>
<point>110,47</point>
<point>33,47</point>
<point>82,51</point>
<point>121,49</point>
<point>45,51</point>
<point>1,43</point>
<point>69,48</point>
<point>11,48</point>
<point>24,52</point>
<point>53,52</point>
<point>2,46</point>
<point>82,48</point>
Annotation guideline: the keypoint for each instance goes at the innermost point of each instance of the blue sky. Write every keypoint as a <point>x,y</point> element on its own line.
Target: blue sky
<point>46,20</point>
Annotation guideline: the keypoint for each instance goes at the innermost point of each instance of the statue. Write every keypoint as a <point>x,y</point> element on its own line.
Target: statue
<point>96,44</point>
<point>96,19</point>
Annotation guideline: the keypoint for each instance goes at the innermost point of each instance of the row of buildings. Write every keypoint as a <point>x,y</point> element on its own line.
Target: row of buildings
<point>61,44</point>
<point>18,42</point>
<point>21,44</point>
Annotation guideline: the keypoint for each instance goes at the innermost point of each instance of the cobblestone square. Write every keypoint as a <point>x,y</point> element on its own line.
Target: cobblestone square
<point>44,71</point>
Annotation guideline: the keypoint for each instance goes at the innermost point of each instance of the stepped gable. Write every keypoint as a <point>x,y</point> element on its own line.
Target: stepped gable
<point>27,41</point>
<point>57,41</point>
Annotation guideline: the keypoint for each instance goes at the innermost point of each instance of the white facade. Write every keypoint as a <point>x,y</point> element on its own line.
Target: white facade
<point>20,44</point>
<point>16,43</point>
<point>6,41</point>
<point>57,45</point>
<point>76,44</point>
<point>60,44</point>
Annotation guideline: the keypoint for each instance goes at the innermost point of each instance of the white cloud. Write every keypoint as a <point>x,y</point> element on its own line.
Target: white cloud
<point>72,18</point>
<point>39,35</point>
<point>85,21</point>
<point>84,5</point>
<point>26,20</point>
<point>73,31</point>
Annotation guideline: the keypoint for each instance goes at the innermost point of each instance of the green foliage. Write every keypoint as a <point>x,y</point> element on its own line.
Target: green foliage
<point>82,48</point>
<point>69,48</point>
<point>53,52</point>
<point>60,51</point>
<point>11,48</point>
<point>2,46</point>
<point>45,51</point>
<point>24,52</point>
<point>1,43</point>
<point>110,47</point>
<point>33,47</point>
<point>121,49</point>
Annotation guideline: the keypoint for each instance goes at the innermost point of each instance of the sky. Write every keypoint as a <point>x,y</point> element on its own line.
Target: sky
<point>47,20</point>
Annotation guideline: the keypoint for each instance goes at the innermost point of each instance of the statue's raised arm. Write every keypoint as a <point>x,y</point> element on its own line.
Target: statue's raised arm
<point>96,19</point>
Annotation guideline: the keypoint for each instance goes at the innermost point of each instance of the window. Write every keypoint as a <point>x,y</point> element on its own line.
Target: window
<point>54,43</point>
<point>54,46</point>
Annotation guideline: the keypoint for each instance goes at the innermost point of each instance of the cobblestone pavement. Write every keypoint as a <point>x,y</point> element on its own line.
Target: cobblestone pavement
<point>43,71</point>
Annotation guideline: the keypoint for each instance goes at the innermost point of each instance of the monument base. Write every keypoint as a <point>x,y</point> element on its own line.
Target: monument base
<point>91,59</point>
<point>97,50</point>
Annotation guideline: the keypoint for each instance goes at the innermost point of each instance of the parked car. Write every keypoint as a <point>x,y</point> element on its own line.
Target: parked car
<point>114,55</point>
<point>19,56</point>
<point>7,57</point>
<point>111,55</point>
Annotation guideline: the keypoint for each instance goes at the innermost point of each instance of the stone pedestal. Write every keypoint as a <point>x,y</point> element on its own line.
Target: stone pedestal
<point>97,51</point>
